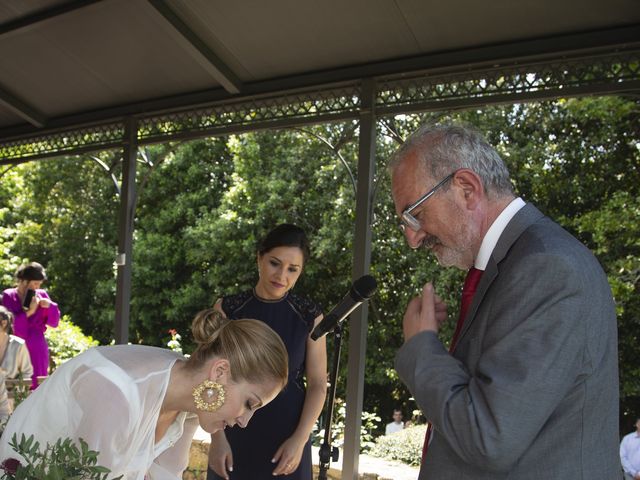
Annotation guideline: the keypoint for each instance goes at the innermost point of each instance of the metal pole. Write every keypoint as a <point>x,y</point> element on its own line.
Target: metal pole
<point>361,263</point>
<point>328,452</point>
<point>125,230</point>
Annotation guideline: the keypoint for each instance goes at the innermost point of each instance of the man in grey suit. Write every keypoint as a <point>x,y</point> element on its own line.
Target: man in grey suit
<point>531,389</point>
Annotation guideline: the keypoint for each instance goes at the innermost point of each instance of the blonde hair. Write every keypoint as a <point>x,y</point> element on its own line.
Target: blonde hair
<point>255,352</point>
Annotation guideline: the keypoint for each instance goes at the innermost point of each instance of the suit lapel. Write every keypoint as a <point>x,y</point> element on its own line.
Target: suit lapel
<point>525,217</point>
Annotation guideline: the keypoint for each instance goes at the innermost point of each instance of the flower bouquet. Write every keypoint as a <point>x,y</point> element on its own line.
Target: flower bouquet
<point>60,461</point>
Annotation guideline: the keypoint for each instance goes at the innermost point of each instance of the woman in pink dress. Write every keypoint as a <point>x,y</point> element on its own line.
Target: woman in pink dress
<point>31,320</point>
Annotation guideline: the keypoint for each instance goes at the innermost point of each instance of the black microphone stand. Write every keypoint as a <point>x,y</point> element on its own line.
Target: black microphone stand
<point>327,452</point>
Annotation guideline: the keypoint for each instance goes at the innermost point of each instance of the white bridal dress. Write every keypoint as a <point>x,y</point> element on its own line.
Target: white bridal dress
<point>110,397</point>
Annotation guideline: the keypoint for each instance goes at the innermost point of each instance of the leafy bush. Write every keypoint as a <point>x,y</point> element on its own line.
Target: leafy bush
<point>66,341</point>
<point>20,393</point>
<point>404,446</point>
<point>60,461</point>
<point>370,423</point>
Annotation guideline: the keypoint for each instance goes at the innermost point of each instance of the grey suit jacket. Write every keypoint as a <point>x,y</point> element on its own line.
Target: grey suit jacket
<point>531,391</point>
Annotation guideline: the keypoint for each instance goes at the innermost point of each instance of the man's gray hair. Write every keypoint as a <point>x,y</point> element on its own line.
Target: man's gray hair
<point>442,149</point>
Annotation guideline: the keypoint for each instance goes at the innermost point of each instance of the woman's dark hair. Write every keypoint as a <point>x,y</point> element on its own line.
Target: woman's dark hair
<point>8,316</point>
<point>285,235</point>
<point>31,271</point>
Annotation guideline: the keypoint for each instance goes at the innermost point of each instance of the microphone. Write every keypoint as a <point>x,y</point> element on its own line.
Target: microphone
<point>360,291</point>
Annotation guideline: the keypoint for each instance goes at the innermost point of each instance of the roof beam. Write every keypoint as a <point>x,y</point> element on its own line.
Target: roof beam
<point>623,40</point>
<point>199,50</point>
<point>42,15</point>
<point>22,109</point>
<point>558,46</point>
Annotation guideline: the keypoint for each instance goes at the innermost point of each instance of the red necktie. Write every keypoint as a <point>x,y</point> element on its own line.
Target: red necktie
<point>468,291</point>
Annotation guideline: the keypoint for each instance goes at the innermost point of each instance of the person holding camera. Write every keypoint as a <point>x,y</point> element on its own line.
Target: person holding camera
<point>33,312</point>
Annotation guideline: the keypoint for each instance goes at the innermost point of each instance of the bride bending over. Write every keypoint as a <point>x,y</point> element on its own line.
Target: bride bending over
<point>139,406</point>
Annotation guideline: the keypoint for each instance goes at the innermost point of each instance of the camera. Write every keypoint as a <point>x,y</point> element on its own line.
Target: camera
<point>27,299</point>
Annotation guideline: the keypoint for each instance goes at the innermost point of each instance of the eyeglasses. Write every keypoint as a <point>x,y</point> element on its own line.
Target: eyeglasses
<point>409,220</point>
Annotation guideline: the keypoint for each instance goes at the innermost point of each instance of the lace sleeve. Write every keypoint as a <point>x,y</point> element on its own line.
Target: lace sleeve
<point>232,303</point>
<point>307,309</point>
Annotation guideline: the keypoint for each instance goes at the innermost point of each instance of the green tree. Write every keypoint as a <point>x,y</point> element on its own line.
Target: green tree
<point>184,185</point>
<point>61,213</point>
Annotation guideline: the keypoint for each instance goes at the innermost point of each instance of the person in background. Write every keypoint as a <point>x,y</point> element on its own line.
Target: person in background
<point>278,440</point>
<point>139,406</point>
<point>32,320</point>
<point>528,387</point>
<point>397,424</point>
<point>14,356</point>
<point>630,454</point>
<point>14,360</point>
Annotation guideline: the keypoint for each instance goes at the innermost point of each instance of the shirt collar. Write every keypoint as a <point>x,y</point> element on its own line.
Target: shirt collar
<point>493,234</point>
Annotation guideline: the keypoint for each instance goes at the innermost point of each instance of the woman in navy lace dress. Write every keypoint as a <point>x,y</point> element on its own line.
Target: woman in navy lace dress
<point>276,442</point>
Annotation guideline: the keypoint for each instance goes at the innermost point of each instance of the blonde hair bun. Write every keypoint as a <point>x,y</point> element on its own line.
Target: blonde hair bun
<point>256,352</point>
<point>207,325</point>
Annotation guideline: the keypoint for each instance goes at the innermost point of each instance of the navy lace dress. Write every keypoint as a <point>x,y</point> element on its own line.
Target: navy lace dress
<point>253,447</point>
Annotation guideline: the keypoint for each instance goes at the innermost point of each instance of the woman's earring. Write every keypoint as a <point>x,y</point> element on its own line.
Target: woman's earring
<point>209,396</point>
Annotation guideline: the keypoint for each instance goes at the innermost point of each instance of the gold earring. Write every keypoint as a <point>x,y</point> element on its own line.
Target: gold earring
<point>208,396</point>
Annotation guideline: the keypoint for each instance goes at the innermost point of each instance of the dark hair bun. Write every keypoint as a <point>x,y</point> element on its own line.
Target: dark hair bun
<point>285,235</point>
<point>31,271</point>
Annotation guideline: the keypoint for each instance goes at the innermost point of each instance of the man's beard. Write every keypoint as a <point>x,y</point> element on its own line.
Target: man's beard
<point>456,255</point>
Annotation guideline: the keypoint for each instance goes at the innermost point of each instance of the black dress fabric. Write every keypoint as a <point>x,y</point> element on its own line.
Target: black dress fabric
<point>253,447</point>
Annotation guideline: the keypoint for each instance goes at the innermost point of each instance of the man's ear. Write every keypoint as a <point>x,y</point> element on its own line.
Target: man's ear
<point>471,187</point>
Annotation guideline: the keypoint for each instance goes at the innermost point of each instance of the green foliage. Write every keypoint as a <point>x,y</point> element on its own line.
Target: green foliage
<point>66,341</point>
<point>404,446</point>
<point>20,392</point>
<point>62,213</point>
<point>169,285</point>
<point>60,461</point>
<point>370,423</point>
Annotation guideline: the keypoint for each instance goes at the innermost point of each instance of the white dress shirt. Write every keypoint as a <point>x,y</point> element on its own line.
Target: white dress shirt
<point>630,453</point>
<point>493,234</point>
<point>393,427</point>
